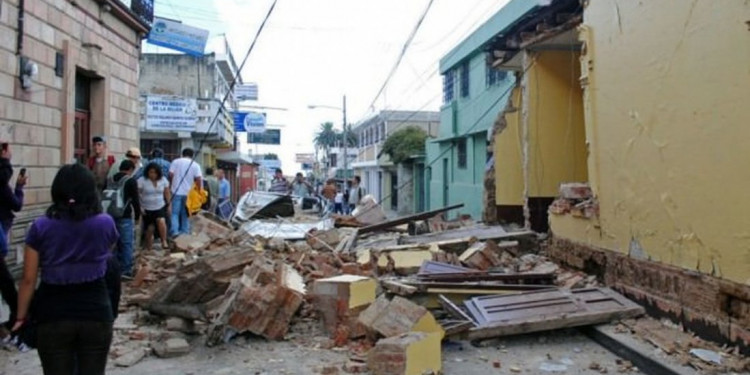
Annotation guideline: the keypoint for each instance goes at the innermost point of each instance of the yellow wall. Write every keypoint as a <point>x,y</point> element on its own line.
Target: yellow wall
<point>509,156</point>
<point>557,139</point>
<point>669,124</point>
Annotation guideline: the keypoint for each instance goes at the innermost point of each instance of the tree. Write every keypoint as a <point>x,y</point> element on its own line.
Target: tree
<point>326,138</point>
<point>405,143</point>
<point>350,135</point>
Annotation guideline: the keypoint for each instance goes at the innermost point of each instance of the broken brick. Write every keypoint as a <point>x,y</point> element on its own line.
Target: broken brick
<point>171,348</point>
<point>413,353</point>
<point>399,316</point>
<point>339,300</point>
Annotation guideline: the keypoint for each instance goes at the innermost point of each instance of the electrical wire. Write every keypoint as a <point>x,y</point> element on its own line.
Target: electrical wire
<point>403,52</point>
<point>229,91</point>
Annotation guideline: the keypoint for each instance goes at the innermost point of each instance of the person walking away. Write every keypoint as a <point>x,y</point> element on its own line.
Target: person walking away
<point>11,200</point>
<point>183,173</point>
<point>123,203</point>
<point>356,193</point>
<point>100,163</point>
<point>213,189</point>
<point>329,194</point>
<point>157,156</point>
<point>155,194</point>
<point>70,245</point>
<point>279,184</point>
<point>225,191</point>
<point>338,205</point>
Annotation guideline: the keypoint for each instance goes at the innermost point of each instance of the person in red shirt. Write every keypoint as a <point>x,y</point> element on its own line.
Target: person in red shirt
<point>100,162</point>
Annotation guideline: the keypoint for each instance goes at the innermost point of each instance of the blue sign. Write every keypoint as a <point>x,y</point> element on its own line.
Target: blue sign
<point>270,165</point>
<point>251,122</point>
<point>269,137</point>
<point>175,35</point>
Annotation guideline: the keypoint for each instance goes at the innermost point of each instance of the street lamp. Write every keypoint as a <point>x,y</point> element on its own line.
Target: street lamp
<point>345,132</point>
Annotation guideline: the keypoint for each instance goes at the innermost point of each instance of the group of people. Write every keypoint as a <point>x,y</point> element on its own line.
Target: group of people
<point>334,198</point>
<point>75,255</point>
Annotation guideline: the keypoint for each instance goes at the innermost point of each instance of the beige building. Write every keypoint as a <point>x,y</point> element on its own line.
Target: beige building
<point>83,60</point>
<point>378,173</point>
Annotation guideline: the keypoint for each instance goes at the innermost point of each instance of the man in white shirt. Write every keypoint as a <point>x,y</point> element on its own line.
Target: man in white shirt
<point>183,173</point>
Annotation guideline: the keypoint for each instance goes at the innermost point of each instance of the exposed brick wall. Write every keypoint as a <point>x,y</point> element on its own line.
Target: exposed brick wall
<point>39,123</point>
<point>713,308</point>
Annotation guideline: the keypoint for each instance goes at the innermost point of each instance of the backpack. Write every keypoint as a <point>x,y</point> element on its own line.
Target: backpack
<point>113,198</point>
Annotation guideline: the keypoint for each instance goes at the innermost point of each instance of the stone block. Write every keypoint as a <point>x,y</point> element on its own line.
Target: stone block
<point>180,325</point>
<point>399,316</point>
<point>413,353</point>
<point>130,358</point>
<point>188,242</point>
<point>404,260</point>
<point>171,348</point>
<point>323,239</point>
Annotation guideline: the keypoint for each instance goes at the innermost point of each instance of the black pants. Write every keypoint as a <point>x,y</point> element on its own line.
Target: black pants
<point>70,348</point>
<point>8,291</point>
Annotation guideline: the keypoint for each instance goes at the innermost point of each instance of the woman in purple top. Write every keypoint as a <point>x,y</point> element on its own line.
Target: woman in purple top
<point>71,245</point>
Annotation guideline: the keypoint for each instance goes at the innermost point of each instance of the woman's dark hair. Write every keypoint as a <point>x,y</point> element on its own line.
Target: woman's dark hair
<point>74,194</point>
<point>154,166</point>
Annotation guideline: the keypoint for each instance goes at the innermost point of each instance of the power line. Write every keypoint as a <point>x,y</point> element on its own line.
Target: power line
<point>403,52</point>
<point>231,88</point>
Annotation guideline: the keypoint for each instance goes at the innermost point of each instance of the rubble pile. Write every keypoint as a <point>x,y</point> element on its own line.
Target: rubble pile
<point>389,296</point>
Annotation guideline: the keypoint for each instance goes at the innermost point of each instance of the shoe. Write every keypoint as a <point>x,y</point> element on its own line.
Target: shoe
<point>6,342</point>
<point>22,347</point>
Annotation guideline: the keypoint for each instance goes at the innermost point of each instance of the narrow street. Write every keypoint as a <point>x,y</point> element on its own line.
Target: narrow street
<point>394,187</point>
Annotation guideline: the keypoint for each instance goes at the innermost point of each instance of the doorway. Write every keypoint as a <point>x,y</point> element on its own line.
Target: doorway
<point>394,191</point>
<point>445,182</point>
<point>82,119</point>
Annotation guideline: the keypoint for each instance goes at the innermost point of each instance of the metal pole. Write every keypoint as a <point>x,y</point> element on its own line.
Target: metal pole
<point>346,141</point>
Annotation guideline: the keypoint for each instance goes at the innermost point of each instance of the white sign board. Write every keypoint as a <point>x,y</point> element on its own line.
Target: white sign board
<point>171,113</point>
<point>304,158</point>
<point>175,35</point>
<point>248,91</point>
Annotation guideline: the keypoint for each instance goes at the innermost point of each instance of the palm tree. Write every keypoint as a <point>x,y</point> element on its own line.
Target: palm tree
<point>326,138</point>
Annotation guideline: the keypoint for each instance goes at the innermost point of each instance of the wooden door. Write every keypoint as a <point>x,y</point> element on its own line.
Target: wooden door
<point>81,137</point>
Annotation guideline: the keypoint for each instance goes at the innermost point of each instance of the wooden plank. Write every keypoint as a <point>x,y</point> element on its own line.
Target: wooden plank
<point>407,219</point>
<point>546,310</point>
<point>476,286</point>
<point>431,267</point>
<point>526,278</point>
<point>480,233</point>
<point>455,328</point>
<point>396,287</point>
<point>452,309</point>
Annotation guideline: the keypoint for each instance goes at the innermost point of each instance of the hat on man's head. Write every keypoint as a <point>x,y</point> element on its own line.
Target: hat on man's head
<point>98,138</point>
<point>133,152</point>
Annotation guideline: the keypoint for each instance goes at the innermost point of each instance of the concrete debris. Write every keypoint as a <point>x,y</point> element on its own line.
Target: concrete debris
<point>575,190</point>
<point>171,348</point>
<point>219,282</point>
<point>369,212</point>
<point>398,316</point>
<point>262,302</point>
<point>130,358</point>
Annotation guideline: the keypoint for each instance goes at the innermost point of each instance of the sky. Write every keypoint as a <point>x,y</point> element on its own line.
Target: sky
<point>313,52</point>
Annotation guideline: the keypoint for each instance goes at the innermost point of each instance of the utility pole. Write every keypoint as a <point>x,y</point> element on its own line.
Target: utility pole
<point>346,141</point>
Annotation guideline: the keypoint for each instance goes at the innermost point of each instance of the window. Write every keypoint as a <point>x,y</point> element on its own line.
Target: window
<point>494,76</point>
<point>461,150</point>
<point>448,80</point>
<point>464,79</point>
<point>333,160</point>
<point>382,132</point>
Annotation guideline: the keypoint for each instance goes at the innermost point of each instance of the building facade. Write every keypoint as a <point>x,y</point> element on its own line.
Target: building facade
<point>473,94</point>
<point>83,60</point>
<point>200,83</point>
<point>641,129</point>
<point>379,174</point>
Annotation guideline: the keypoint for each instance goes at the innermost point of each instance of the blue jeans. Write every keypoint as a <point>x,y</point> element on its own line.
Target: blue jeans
<point>125,245</point>
<point>180,223</point>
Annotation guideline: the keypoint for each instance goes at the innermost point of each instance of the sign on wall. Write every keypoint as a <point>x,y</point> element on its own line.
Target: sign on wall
<point>175,35</point>
<point>248,91</point>
<point>269,137</point>
<point>171,113</point>
<point>304,158</point>
<point>251,122</point>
